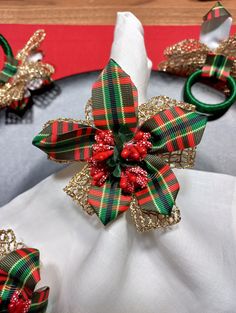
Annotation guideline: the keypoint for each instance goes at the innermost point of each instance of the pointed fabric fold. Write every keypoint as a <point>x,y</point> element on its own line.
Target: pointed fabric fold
<point>175,129</point>
<point>162,188</point>
<point>108,201</point>
<point>217,11</point>
<point>66,140</point>
<point>114,99</point>
<point>40,300</point>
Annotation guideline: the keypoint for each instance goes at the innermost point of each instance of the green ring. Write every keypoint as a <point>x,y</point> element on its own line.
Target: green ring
<point>212,109</point>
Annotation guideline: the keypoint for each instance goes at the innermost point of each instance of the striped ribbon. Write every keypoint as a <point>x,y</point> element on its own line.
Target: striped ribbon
<point>218,66</point>
<point>10,64</point>
<point>19,271</point>
<point>216,12</point>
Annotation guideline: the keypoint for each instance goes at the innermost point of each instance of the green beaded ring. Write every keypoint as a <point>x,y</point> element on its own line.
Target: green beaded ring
<point>212,109</point>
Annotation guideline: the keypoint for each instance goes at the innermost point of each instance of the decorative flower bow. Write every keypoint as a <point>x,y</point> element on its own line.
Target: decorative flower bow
<point>123,156</point>
<point>189,55</point>
<point>19,274</point>
<point>23,73</point>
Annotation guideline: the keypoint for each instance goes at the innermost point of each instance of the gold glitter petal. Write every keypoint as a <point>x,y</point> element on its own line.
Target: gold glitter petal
<point>8,242</point>
<point>146,221</point>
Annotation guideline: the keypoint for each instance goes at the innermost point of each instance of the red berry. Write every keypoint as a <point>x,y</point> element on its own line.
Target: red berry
<point>98,176</point>
<point>138,135</point>
<point>125,153</point>
<point>123,183</point>
<point>132,178</point>
<point>134,154</point>
<point>141,150</point>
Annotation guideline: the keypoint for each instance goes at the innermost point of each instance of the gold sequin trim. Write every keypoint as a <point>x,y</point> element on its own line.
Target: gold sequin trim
<point>8,242</point>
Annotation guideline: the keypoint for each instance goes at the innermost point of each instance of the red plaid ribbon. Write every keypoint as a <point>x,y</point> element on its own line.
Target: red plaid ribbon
<point>217,11</point>
<point>218,66</point>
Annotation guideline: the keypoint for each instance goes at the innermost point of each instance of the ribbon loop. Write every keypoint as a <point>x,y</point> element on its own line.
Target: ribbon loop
<point>162,188</point>
<point>108,201</point>
<point>114,99</point>
<point>175,129</point>
<point>66,140</point>
<point>218,66</point>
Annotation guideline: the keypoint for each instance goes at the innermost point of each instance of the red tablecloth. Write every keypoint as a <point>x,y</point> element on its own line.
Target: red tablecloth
<point>78,49</point>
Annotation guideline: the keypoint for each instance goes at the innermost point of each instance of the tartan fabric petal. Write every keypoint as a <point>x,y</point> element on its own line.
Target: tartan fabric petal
<point>39,300</point>
<point>175,129</point>
<point>114,99</point>
<point>162,188</point>
<point>108,201</point>
<point>66,140</point>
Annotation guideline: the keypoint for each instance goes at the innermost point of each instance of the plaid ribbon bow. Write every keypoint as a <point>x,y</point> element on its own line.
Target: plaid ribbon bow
<point>19,274</point>
<point>190,55</point>
<point>23,73</point>
<point>123,155</point>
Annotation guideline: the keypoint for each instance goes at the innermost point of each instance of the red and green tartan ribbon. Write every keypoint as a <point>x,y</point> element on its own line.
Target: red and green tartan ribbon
<point>217,11</point>
<point>174,129</point>
<point>108,201</point>
<point>162,188</point>
<point>114,99</point>
<point>19,271</point>
<point>66,140</point>
<point>218,66</point>
<point>10,64</point>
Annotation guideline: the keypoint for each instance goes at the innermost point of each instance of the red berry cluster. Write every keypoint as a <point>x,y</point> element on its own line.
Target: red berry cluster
<point>102,150</point>
<point>136,150</point>
<point>133,178</point>
<point>18,305</point>
<point>104,147</point>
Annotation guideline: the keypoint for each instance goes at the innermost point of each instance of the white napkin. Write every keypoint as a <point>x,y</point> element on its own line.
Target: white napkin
<point>92,269</point>
<point>129,51</point>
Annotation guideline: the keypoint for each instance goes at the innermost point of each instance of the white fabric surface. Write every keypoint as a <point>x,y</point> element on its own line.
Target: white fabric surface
<point>92,269</point>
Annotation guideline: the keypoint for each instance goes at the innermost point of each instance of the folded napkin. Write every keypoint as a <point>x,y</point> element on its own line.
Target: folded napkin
<point>22,165</point>
<point>92,269</point>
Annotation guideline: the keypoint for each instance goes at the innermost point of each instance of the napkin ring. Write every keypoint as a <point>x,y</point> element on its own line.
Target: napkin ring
<point>23,73</point>
<point>129,150</point>
<point>217,68</point>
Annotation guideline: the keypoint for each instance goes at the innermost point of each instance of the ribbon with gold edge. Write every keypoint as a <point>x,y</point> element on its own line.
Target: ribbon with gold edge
<point>123,154</point>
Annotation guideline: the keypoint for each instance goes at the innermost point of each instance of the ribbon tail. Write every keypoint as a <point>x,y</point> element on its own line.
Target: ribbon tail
<point>162,189</point>
<point>108,201</point>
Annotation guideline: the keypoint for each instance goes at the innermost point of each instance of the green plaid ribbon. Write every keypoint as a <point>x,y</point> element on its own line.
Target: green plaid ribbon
<point>217,11</point>
<point>10,64</point>
<point>19,270</point>
<point>108,201</point>
<point>114,99</point>
<point>162,188</point>
<point>218,66</point>
<point>66,140</point>
<point>174,129</point>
